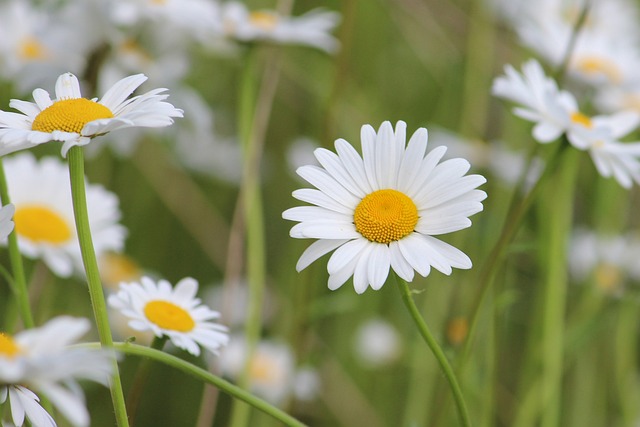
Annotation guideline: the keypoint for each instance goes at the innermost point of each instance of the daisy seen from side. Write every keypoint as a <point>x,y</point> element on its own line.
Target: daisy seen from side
<point>172,312</point>
<point>39,363</point>
<point>74,120</point>
<point>44,221</point>
<point>381,210</point>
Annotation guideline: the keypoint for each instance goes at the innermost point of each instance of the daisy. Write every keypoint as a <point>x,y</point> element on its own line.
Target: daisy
<point>38,362</point>
<point>44,221</point>
<point>377,343</point>
<point>172,312</point>
<point>75,120</point>
<point>540,101</point>
<point>311,29</point>
<point>271,368</point>
<point>383,209</point>
<point>6,224</point>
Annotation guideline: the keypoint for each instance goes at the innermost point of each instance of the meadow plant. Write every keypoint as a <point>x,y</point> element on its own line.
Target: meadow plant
<point>154,154</point>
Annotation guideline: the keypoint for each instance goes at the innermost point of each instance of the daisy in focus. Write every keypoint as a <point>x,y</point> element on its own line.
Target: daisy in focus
<point>311,29</point>
<point>171,312</point>
<point>44,221</point>
<point>555,113</point>
<point>74,120</point>
<point>381,210</point>
<point>37,362</point>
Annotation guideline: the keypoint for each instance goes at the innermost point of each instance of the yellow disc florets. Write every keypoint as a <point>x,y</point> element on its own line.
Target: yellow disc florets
<point>41,224</point>
<point>70,115</point>
<point>8,347</point>
<point>385,216</point>
<point>169,316</point>
<point>581,119</point>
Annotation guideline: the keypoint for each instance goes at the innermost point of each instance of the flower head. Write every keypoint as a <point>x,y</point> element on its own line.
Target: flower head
<point>311,29</point>
<point>381,210</point>
<point>172,312</point>
<point>38,360</point>
<point>44,221</point>
<point>75,120</point>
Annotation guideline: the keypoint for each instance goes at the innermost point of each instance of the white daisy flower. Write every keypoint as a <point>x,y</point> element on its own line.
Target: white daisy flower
<point>172,312</point>
<point>75,120</point>
<point>44,221</point>
<point>382,210</point>
<point>539,98</point>
<point>6,224</point>
<point>311,29</point>
<point>39,361</point>
<point>271,369</point>
<point>377,343</point>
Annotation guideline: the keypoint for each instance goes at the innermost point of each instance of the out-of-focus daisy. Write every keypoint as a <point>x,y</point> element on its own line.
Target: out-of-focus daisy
<point>377,343</point>
<point>306,384</point>
<point>271,369</point>
<point>232,301</point>
<point>116,268</point>
<point>311,29</point>
<point>172,312</point>
<point>6,223</point>
<point>38,362</point>
<point>540,101</point>
<point>382,210</point>
<point>44,221</point>
<point>607,260</point>
<point>75,120</point>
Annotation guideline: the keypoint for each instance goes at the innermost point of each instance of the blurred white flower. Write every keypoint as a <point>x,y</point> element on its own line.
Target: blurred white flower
<point>311,29</point>
<point>232,301</point>
<point>271,371</point>
<point>377,343</point>
<point>44,221</point>
<point>306,384</point>
<point>172,312</point>
<point>6,220</point>
<point>39,361</point>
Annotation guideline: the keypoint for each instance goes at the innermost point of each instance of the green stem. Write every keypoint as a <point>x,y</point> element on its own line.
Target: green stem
<point>205,376</point>
<point>78,193</point>
<point>252,204</point>
<point>407,298</point>
<point>142,374</point>
<point>17,267</point>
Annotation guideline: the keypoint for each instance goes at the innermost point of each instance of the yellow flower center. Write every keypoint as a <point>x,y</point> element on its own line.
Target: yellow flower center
<point>8,347</point>
<point>41,224</point>
<point>167,315</point>
<point>30,48</point>
<point>70,115</point>
<point>264,20</point>
<point>594,65</point>
<point>116,268</point>
<point>608,278</point>
<point>581,119</point>
<point>385,215</point>
<point>262,368</point>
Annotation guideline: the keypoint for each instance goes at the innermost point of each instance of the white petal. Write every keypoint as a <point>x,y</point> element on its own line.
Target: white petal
<point>454,256</point>
<point>368,141</point>
<point>319,198</point>
<point>379,263</point>
<point>353,164</point>
<point>411,250</point>
<point>314,213</point>
<point>412,158</point>
<point>316,250</point>
<point>331,162</point>
<point>117,94</point>
<point>42,98</point>
<point>426,168</point>
<point>320,179</point>
<point>385,162</point>
<point>67,87</point>
<point>360,274</point>
<point>324,230</point>
<point>399,264</point>
<point>337,279</point>
<point>345,254</point>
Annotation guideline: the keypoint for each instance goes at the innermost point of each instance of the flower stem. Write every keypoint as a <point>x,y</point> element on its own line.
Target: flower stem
<point>19,281</point>
<point>407,298</point>
<point>207,377</point>
<point>142,374</point>
<point>78,193</point>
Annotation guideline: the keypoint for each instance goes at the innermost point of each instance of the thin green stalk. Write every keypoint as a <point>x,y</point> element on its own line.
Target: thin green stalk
<point>205,376</point>
<point>17,267</point>
<point>252,204</point>
<point>81,214</point>
<point>407,298</point>
<point>142,374</point>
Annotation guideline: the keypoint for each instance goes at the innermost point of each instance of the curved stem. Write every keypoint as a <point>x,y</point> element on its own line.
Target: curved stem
<point>19,279</point>
<point>81,214</point>
<point>140,379</point>
<point>407,298</point>
<point>205,376</point>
